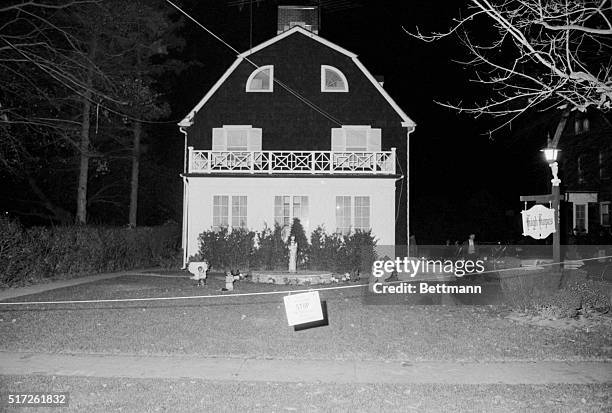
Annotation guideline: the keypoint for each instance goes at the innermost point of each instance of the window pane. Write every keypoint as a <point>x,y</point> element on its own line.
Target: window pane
<point>362,212</point>
<point>261,81</point>
<point>343,214</point>
<point>237,139</point>
<point>282,210</point>
<point>356,140</point>
<point>300,210</point>
<point>333,81</point>
<point>239,211</point>
<point>220,211</point>
<point>605,214</point>
<point>580,216</point>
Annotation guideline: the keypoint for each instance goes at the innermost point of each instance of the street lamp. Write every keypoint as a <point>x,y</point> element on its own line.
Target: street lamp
<point>550,154</point>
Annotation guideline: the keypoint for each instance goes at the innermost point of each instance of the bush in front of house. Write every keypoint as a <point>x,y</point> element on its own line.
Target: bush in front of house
<point>34,254</point>
<point>227,250</point>
<point>342,253</point>
<point>244,250</point>
<point>297,231</point>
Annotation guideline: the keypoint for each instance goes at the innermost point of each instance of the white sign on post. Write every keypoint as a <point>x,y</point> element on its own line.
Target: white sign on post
<point>303,308</point>
<point>538,221</point>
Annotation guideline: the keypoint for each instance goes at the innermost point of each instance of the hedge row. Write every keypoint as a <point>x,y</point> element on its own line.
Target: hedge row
<point>32,254</point>
<point>245,250</point>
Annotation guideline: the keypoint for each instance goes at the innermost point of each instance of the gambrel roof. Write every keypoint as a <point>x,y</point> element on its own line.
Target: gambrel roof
<point>188,120</point>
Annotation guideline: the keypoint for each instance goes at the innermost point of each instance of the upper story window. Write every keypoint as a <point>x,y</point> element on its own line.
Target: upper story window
<point>581,125</point>
<point>333,80</point>
<point>240,138</point>
<point>261,80</point>
<point>356,138</point>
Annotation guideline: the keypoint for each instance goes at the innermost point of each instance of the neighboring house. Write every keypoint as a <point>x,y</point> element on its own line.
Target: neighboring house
<point>295,128</point>
<point>585,171</point>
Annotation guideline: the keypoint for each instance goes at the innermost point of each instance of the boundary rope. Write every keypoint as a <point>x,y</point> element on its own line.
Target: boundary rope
<point>263,293</point>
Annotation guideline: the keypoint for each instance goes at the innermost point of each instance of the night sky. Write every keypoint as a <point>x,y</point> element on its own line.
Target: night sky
<point>462,179</point>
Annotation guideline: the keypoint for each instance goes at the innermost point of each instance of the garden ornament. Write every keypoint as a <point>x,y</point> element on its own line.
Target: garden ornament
<point>199,270</point>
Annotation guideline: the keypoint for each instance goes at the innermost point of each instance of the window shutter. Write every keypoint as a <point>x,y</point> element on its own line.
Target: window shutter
<point>374,140</point>
<point>219,141</point>
<point>255,139</point>
<point>338,140</point>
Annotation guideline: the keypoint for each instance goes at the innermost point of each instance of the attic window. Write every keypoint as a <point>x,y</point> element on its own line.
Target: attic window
<point>333,80</point>
<point>261,80</point>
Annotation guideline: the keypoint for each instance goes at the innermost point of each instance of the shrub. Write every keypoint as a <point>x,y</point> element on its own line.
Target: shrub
<point>325,250</point>
<point>226,250</point>
<point>297,231</point>
<point>342,253</point>
<point>33,254</point>
<point>271,252</point>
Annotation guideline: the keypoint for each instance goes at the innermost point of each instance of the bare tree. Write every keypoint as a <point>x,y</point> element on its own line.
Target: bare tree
<point>536,54</point>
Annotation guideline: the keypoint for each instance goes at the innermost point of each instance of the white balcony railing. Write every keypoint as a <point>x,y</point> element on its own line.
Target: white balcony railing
<point>292,162</point>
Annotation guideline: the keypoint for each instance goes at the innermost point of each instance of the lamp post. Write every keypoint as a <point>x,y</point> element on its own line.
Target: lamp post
<point>550,154</point>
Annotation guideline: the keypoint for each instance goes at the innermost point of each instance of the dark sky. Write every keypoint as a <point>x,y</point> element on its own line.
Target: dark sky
<point>461,180</point>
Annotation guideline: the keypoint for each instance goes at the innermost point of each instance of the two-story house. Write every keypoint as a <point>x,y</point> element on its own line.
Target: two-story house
<point>295,128</point>
<point>586,145</point>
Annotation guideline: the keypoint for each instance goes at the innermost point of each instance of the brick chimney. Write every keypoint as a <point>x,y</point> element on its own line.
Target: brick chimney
<point>304,16</point>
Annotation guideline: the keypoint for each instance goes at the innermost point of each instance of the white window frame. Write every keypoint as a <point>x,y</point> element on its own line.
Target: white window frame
<point>292,198</point>
<point>601,214</point>
<point>586,216</point>
<point>324,68</point>
<point>230,213</point>
<point>343,229</point>
<point>362,217</point>
<point>353,215</point>
<point>241,206</point>
<point>254,73</point>
<point>371,134</point>
<point>253,137</point>
<point>224,218</point>
<point>227,130</point>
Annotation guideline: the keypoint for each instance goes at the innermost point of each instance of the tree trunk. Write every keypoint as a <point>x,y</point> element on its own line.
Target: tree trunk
<point>81,212</point>
<point>135,170</point>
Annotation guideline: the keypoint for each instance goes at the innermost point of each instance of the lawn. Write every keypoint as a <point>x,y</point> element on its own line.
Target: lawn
<point>257,327</point>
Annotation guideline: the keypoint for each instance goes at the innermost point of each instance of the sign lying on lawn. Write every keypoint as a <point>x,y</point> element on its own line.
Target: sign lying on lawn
<point>303,308</point>
<point>538,221</point>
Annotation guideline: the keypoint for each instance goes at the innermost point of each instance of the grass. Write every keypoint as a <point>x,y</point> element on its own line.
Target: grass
<point>257,327</point>
<point>137,395</point>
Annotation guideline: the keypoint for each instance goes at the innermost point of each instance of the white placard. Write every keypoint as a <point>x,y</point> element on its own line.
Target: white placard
<point>303,308</point>
<point>538,221</point>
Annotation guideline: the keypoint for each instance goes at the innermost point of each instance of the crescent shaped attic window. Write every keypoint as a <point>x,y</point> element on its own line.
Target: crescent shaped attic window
<point>261,80</point>
<point>333,80</point>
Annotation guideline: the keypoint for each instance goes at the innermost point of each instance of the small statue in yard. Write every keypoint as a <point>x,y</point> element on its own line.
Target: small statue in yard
<point>229,281</point>
<point>199,270</point>
<point>293,255</point>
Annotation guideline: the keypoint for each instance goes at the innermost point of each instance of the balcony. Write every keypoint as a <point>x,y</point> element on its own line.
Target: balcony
<point>292,162</point>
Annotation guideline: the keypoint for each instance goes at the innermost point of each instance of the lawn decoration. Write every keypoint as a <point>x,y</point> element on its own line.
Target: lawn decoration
<point>229,281</point>
<point>199,270</point>
<point>293,255</point>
